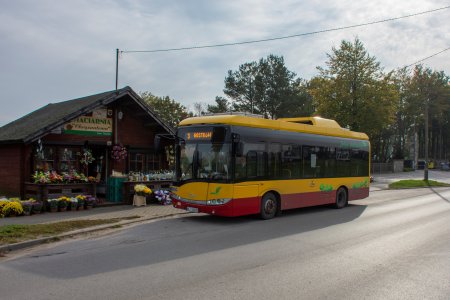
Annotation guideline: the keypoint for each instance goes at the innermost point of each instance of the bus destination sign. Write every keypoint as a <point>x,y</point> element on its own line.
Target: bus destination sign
<point>199,135</point>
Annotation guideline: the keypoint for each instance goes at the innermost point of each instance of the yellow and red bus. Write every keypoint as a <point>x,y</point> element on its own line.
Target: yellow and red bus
<point>234,165</point>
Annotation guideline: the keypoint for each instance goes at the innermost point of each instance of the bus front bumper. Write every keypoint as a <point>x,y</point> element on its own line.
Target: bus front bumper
<point>225,210</point>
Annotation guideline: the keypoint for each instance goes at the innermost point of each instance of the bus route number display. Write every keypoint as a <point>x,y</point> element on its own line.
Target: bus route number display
<point>199,135</point>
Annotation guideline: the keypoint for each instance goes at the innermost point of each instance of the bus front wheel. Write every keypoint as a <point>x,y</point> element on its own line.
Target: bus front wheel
<point>341,198</point>
<point>269,206</point>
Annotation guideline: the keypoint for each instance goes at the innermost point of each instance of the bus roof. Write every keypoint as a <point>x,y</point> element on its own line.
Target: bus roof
<point>312,125</point>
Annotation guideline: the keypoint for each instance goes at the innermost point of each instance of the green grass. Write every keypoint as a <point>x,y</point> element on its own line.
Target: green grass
<point>414,183</point>
<point>10,234</point>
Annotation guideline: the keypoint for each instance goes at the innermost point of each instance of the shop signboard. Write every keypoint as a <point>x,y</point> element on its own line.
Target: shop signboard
<point>98,125</point>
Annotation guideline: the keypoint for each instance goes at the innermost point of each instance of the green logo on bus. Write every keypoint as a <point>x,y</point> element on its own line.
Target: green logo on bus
<point>359,185</point>
<point>216,191</point>
<point>326,187</point>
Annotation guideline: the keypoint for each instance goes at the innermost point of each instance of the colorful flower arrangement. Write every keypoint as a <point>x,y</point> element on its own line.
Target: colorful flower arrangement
<point>142,190</point>
<point>66,177</point>
<point>118,152</point>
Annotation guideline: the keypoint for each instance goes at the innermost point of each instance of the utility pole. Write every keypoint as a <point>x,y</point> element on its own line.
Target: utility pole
<point>117,68</point>
<point>425,169</point>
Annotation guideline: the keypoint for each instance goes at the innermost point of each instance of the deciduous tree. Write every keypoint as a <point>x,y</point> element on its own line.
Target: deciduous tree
<point>353,90</point>
<point>166,108</point>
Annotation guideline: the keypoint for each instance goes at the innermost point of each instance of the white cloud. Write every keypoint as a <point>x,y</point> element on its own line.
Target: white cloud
<point>60,50</point>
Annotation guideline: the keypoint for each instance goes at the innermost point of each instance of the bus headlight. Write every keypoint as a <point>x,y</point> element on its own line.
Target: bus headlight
<point>175,196</point>
<point>218,201</point>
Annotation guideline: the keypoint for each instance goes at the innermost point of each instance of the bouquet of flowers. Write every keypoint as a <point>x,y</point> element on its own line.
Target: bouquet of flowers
<point>118,152</point>
<point>142,190</point>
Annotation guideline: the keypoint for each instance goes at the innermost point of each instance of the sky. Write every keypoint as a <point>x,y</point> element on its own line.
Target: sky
<point>52,51</point>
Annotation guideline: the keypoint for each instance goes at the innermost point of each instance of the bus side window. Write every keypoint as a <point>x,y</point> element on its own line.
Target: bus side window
<point>309,162</point>
<point>252,164</point>
<point>256,164</point>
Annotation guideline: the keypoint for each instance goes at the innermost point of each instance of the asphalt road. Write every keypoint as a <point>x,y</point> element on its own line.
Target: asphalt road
<point>393,245</point>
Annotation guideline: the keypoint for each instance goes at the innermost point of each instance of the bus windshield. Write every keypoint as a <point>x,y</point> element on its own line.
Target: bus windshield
<point>208,161</point>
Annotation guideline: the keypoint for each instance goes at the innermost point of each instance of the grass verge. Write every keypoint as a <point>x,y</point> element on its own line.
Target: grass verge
<point>413,183</point>
<point>10,234</point>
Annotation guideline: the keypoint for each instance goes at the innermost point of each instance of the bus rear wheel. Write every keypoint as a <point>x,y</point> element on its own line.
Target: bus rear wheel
<point>341,198</point>
<point>269,206</point>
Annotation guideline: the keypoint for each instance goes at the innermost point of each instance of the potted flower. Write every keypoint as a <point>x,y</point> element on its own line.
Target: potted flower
<point>27,207</point>
<point>63,202</point>
<point>73,204</point>
<point>81,200</point>
<point>89,202</point>
<point>37,206</point>
<point>12,209</point>
<point>52,205</point>
<point>3,203</point>
<point>141,192</point>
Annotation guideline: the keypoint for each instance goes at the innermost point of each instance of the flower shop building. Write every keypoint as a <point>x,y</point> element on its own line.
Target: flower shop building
<point>78,146</point>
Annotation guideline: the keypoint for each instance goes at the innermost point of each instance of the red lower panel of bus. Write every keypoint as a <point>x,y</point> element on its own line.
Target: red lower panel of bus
<point>248,206</point>
<point>234,208</point>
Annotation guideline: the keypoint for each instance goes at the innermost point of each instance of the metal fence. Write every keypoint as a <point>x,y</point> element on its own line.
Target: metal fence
<point>379,168</point>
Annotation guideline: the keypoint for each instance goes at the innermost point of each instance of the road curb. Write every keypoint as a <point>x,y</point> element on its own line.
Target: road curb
<point>39,241</point>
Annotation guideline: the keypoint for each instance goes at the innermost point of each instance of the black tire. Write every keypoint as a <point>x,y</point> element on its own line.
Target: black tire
<point>341,198</point>
<point>269,206</point>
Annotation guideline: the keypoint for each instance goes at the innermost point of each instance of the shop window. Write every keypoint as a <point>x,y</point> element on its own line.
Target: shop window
<point>68,159</point>
<point>45,160</point>
<point>153,162</point>
<point>137,162</point>
<point>144,162</point>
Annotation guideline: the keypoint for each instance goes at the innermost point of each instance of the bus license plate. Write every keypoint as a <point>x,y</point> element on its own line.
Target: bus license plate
<point>192,209</point>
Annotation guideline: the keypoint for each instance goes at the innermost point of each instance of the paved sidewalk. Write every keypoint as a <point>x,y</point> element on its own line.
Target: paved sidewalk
<point>151,211</point>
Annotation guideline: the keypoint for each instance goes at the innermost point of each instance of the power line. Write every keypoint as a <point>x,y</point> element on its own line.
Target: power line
<point>423,59</point>
<point>285,37</point>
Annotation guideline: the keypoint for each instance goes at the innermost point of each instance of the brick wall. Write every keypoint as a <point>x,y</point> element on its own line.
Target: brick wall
<point>10,170</point>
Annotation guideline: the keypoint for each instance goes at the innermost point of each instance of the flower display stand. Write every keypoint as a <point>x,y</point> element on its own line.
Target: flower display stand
<point>43,192</point>
<point>139,200</point>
